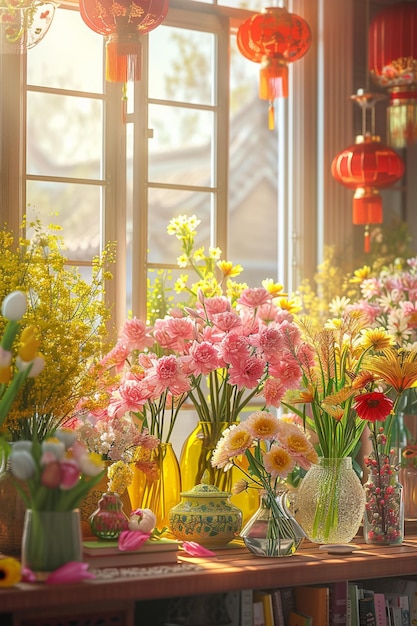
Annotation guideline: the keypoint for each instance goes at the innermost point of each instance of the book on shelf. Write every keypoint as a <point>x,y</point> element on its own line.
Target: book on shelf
<point>296,618</point>
<point>232,604</point>
<point>338,601</point>
<point>266,598</point>
<point>380,609</point>
<point>367,615</point>
<point>246,607</point>
<point>354,593</point>
<point>100,554</point>
<point>258,613</point>
<point>313,601</point>
<point>287,602</point>
<point>277,608</point>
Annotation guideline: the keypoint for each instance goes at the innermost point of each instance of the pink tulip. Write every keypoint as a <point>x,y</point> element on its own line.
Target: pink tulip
<point>195,549</point>
<point>72,572</point>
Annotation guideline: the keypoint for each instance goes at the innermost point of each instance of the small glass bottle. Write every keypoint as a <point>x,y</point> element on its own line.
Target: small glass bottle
<point>109,520</point>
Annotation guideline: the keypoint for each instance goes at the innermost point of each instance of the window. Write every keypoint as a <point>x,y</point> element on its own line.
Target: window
<point>195,141</point>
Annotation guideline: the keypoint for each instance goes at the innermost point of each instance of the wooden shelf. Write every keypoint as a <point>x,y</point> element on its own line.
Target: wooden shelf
<point>230,569</point>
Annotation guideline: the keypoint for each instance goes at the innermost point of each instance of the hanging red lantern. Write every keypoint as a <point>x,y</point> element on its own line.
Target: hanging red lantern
<point>123,22</point>
<point>366,167</point>
<point>393,65</point>
<point>274,38</point>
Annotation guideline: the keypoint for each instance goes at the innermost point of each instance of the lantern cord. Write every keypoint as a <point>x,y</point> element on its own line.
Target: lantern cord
<point>271,116</point>
<point>124,103</point>
<point>367,239</point>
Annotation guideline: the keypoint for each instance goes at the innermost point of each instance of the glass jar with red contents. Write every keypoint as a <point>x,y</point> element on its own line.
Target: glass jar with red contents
<point>384,508</point>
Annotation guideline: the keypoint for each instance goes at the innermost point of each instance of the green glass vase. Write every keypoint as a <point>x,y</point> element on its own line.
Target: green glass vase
<point>50,539</point>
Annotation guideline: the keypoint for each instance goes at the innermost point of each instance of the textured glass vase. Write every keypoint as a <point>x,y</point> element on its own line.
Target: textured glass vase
<point>196,467</point>
<point>384,510</point>
<point>161,492</point>
<point>272,531</point>
<point>50,539</point>
<point>330,501</point>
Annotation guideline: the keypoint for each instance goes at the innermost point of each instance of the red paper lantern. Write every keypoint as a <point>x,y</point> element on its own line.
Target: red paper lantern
<point>123,22</point>
<point>393,64</point>
<point>366,167</point>
<point>274,38</point>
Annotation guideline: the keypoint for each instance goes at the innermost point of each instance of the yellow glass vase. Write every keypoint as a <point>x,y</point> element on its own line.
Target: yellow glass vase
<point>196,467</point>
<point>162,493</point>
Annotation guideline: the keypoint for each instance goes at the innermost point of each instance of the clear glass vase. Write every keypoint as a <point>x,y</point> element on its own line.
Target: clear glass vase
<point>161,492</point>
<point>50,539</point>
<point>330,501</point>
<point>384,510</point>
<point>196,467</point>
<point>272,531</point>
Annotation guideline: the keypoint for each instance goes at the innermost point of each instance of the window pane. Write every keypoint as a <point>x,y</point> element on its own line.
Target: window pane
<point>181,65</point>
<point>76,208</point>
<point>253,176</point>
<point>180,151</point>
<point>164,204</point>
<point>64,135</point>
<point>69,57</point>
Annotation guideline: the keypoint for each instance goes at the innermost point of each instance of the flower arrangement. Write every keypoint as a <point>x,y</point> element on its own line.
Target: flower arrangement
<point>27,363</point>
<point>58,472</point>
<point>273,447</point>
<point>70,316</point>
<point>388,299</point>
<point>334,372</point>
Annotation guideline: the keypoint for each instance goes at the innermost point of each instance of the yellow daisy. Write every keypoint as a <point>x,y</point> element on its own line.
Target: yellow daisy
<point>399,370</point>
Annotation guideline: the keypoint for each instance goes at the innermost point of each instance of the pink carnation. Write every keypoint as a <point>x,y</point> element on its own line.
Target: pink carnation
<point>287,370</point>
<point>254,297</point>
<point>174,332</point>
<point>215,305</point>
<point>203,358</point>
<point>269,341</point>
<point>226,321</point>
<point>116,357</point>
<point>247,373</point>
<point>273,392</point>
<point>135,335</point>
<point>167,374</point>
<point>131,396</point>
<point>233,349</point>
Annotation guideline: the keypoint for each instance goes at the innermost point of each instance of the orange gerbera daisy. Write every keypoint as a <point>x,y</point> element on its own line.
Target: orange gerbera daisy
<point>397,369</point>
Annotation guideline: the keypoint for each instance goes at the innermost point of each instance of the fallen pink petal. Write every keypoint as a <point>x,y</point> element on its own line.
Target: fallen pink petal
<point>130,540</point>
<point>194,549</point>
<point>72,572</point>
